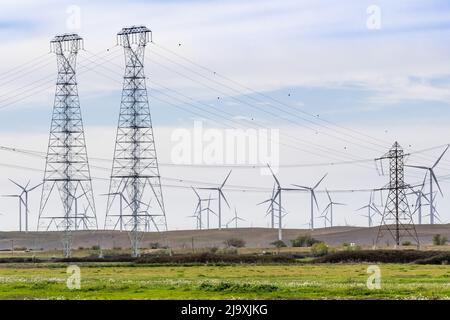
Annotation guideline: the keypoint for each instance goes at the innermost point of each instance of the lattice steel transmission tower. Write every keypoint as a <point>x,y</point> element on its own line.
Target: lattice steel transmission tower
<point>67,184</point>
<point>135,184</point>
<point>397,218</point>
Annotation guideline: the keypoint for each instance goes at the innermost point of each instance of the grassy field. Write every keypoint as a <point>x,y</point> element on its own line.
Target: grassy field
<point>125,281</point>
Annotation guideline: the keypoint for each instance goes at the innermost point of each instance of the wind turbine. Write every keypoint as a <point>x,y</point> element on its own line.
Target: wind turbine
<point>277,193</point>
<point>329,209</point>
<point>270,209</point>
<point>313,198</point>
<point>235,219</point>
<point>220,197</point>
<point>432,177</point>
<point>197,219</point>
<point>208,211</point>
<point>370,209</point>
<point>19,196</point>
<point>122,198</point>
<point>419,194</point>
<point>25,191</point>
<point>198,209</point>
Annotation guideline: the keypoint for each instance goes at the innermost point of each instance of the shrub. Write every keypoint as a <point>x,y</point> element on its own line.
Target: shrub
<point>154,245</point>
<point>377,256</point>
<point>442,258</point>
<point>95,247</point>
<point>229,251</point>
<point>279,244</point>
<point>304,241</point>
<point>319,249</point>
<point>235,242</point>
<point>351,246</point>
<point>406,243</point>
<point>213,249</point>
<point>439,240</point>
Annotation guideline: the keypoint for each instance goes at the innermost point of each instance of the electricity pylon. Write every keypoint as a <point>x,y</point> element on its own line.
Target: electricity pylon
<point>135,173</point>
<point>397,218</point>
<point>67,173</point>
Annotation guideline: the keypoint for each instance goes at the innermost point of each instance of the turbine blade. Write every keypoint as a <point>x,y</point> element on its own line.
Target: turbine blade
<point>439,159</point>
<point>198,196</point>
<point>314,197</point>
<point>435,180</point>
<point>224,198</point>
<point>328,194</point>
<point>424,179</point>
<point>274,176</point>
<point>224,181</point>
<point>317,184</point>
<point>262,202</point>
<point>16,184</point>
<point>417,167</point>
<point>303,187</point>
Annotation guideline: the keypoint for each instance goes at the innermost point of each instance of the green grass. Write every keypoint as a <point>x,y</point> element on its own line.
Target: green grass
<point>125,281</point>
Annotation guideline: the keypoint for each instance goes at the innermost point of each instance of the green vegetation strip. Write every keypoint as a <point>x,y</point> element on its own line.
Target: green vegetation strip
<point>317,281</point>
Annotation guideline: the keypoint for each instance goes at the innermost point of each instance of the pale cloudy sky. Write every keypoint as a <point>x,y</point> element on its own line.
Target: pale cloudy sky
<point>318,57</point>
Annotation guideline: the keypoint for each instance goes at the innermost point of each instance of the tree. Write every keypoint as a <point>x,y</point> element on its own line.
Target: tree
<point>439,240</point>
<point>279,244</point>
<point>235,242</point>
<point>319,249</point>
<point>304,241</point>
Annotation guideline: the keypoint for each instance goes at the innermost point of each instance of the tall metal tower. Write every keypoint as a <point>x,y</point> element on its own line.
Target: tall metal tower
<point>397,218</point>
<point>135,173</point>
<point>67,183</point>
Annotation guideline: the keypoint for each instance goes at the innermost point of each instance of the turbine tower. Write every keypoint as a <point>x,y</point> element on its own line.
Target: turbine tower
<point>397,218</point>
<point>135,173</point>
<point>67,173</point>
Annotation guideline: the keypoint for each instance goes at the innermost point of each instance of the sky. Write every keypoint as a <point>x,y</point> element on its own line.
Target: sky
<point>338,81</point>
